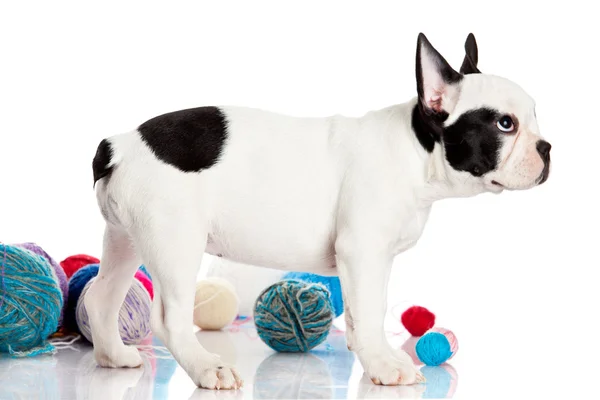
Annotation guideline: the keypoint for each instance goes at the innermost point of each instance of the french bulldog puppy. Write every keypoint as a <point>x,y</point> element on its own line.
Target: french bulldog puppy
<point>333,196</point>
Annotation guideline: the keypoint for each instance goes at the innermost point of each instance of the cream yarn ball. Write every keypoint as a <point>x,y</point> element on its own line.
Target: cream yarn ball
<point>216,304</point>
<point>248,280</point>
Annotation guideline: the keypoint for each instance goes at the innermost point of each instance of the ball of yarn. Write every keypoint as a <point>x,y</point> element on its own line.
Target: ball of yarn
<point>417,320</point>
<point>434,348</point>
<point>332,283</point>
<point>76,285</point>
<point>215,305</point>
<point>30,302</point>
<point>74,263</point>
<point>249,281</point>
<point>58,272</point>
<point>450,336</point>
<point>293,316</point>
<point>134,315</point>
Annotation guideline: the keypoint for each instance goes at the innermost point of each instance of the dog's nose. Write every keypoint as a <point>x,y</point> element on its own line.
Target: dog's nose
<point>543,148</point>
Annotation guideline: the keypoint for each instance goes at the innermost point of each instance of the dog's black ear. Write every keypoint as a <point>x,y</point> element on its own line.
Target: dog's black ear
<point>437,82</point>
<point>469,65</point>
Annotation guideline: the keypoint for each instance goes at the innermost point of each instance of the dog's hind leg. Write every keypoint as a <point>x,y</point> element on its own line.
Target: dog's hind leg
<point>105,296</point>
<point>172,244</point>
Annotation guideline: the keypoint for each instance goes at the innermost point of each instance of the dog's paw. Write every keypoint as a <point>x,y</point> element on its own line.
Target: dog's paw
<point>124,357</point>
<point>219,377</point>
<point>391,371</point>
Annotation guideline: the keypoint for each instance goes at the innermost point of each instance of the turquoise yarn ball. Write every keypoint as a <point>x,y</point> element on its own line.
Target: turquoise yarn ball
<point>30,302</point>
<point>332,283</point>
<point>293,316</point>
<point>433,349</point>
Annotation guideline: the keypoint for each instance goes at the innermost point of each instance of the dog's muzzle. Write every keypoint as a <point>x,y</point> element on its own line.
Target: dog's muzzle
<point>543,149</point>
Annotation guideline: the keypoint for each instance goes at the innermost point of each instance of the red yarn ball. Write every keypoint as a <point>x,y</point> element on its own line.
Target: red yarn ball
<point>74,263</point>
<point>417,320</point>
<point>145,281</point>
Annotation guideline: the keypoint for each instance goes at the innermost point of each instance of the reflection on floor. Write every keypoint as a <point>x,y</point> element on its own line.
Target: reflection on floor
<point>329,371</point>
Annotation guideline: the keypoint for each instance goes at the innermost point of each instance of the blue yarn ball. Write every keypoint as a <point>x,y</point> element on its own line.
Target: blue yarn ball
<point>332,283</point>
<point>433,349</point>
<point>30,302</point>
<point>293,316</point>
<point>76,285</point>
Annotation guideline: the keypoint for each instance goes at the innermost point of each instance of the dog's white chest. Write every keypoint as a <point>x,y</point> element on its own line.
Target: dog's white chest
<point>411,230</point>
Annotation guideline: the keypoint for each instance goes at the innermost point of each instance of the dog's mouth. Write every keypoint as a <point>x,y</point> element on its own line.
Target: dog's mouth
<point>497,184</point>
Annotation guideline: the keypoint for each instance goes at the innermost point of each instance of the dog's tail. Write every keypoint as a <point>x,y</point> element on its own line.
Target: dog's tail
<point>103,163</point>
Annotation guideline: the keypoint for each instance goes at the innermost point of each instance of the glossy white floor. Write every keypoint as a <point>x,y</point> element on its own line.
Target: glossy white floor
<point>329,371</point>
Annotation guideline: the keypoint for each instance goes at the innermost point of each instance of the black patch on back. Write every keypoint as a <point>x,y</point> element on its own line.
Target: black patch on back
<point>472,143</point>
<point>190,140</point>
<point>101,160</point>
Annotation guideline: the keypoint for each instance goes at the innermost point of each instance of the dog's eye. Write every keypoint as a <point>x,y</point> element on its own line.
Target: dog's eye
<point>506,124</point>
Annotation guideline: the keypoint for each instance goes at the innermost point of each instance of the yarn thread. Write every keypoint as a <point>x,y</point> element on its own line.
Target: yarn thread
<point>30,304</point>
<point>293,316</point>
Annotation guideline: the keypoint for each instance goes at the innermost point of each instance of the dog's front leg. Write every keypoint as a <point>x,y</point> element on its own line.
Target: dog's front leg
<point>364,279</point>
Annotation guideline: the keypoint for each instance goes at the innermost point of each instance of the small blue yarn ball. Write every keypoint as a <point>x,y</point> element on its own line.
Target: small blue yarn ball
<point>30,302</point>
<point>293,316</point>
<point>433,349</point>
<point>332,283</point>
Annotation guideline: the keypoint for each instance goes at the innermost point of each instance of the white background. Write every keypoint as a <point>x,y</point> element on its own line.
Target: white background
<point>514,275</point>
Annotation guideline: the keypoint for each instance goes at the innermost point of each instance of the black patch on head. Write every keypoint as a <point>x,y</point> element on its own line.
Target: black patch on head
<point>472,143</point>
<point>190,140</point>
<point>427,126</point>
<point>426,122</point>
<point>101,160</point>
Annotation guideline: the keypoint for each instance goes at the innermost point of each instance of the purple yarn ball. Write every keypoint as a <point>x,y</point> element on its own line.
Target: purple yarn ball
<point>58,271</point>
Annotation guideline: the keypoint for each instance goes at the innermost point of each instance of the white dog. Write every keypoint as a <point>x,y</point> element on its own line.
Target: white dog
<point>330,196</point>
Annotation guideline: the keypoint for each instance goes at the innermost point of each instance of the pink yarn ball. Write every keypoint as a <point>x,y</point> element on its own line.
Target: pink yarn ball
<point>450,336</point>
<point>409,346</point>
<point>146,282</point>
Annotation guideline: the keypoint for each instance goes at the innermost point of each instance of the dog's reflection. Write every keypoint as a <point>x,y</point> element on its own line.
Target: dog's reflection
<point>206,394</point>
<point>293,376</point>
<point>367,390</point>
<point>441,384</point>
<point>94,382</point>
